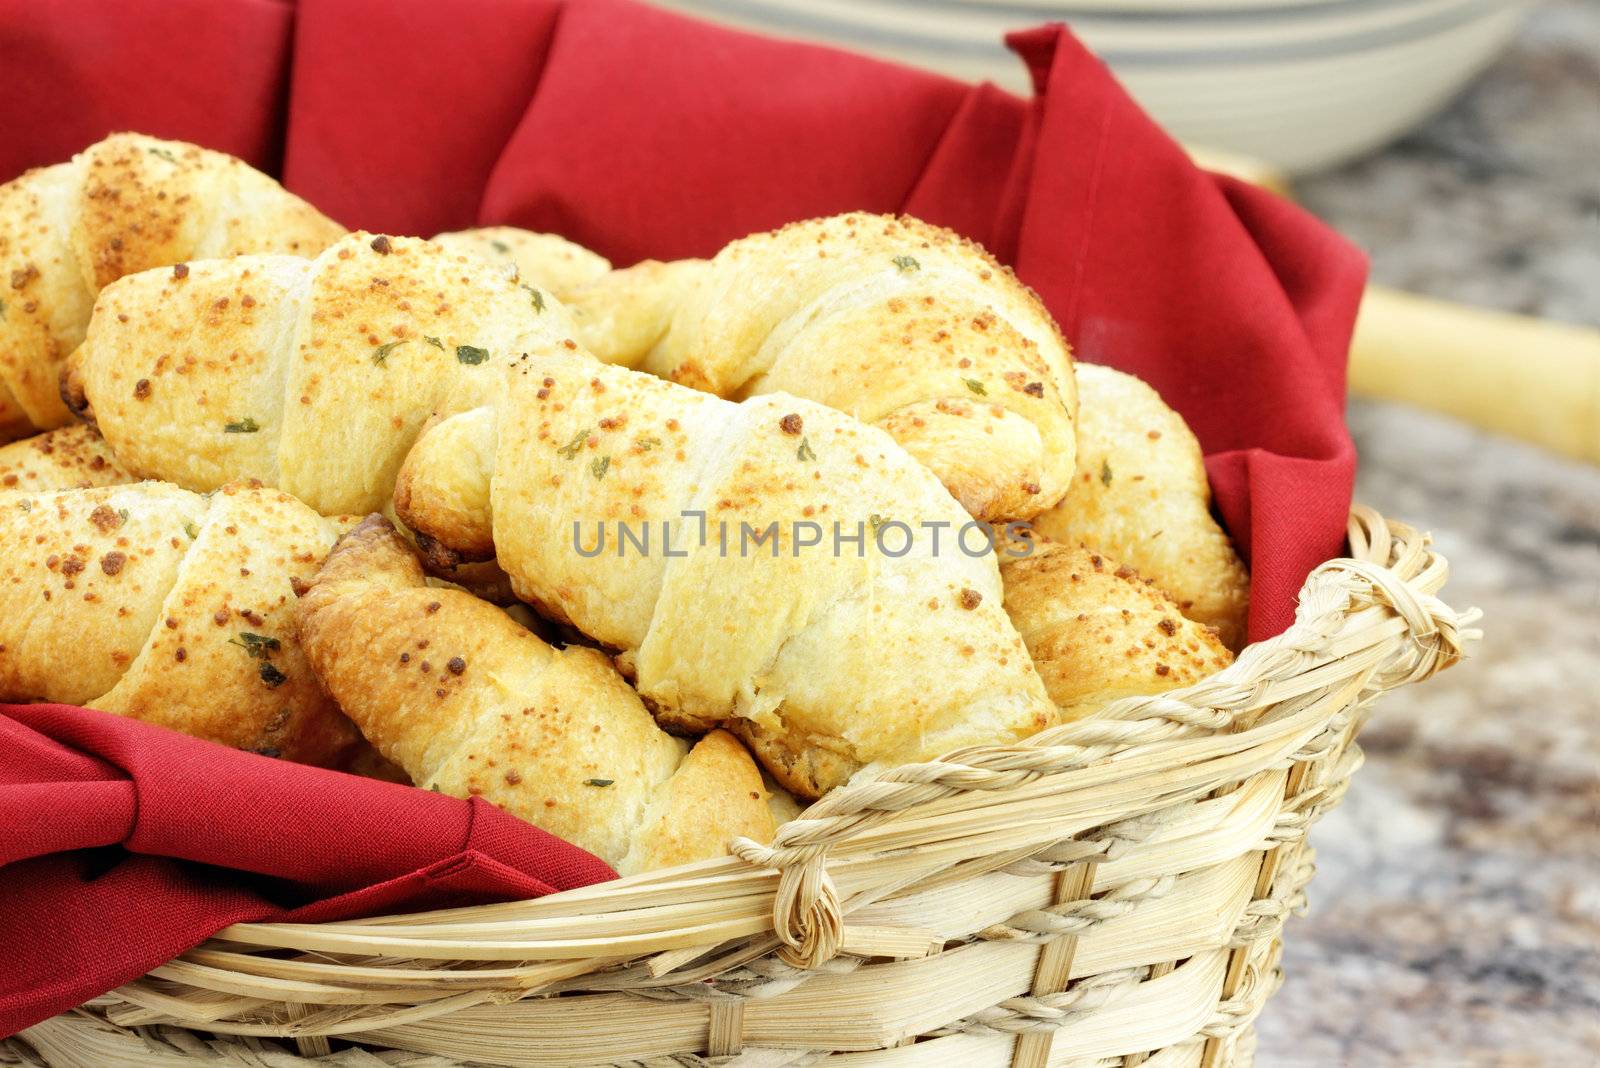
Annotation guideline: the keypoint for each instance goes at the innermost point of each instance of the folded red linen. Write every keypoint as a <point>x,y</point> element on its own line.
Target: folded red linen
<point>123,844</point>
<point>638,133</point>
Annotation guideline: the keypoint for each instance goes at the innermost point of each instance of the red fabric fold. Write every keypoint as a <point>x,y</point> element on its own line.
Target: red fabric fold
<point>638,133</point>
<point>401,110</point>
<point>216,73</point>
<point>124,844</point>
<point>1235,304</point>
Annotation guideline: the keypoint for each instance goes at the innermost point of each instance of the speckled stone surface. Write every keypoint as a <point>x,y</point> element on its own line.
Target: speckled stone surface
<point>1455,918</point>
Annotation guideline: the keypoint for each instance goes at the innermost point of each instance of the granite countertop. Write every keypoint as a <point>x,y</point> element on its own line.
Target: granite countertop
<point>1455,918</point>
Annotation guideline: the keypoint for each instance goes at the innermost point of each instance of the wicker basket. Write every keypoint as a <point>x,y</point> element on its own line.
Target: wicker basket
<point>1110,893</point>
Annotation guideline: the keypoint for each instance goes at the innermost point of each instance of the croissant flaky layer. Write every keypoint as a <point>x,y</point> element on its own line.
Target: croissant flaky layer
<point>125,204</point>
<point>747,611</point>
<point>171,607</point>
<point>1097,631</point>
<point>1141,496</point>
<point>73,457</point>
<point>471,703</point>
<point>312,375</point>
<point>904,325</point>
<point>548,261</point>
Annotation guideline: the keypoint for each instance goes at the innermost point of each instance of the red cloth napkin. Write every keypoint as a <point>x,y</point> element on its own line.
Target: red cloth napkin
<point>638,133</point>
<point>124,844</point>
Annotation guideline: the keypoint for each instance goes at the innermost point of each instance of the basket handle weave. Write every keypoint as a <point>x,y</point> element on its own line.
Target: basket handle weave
<point>1382,596</point>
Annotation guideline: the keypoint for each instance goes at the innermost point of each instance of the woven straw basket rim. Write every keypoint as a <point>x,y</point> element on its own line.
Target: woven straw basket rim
<point>1109,892</point>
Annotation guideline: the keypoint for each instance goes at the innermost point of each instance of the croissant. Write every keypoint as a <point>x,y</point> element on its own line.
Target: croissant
<point>1097,631</point>
<point>73,457</point>
<point>125,204</point>
<point>1142,498</point>
<point>903,325</point>
<point>547,260</point>
<point>314,376</point>
<point>171,607</point>
<point>77,457</point>
<point>827,655</point>
<point>623,314</point>
<point>470,703</point>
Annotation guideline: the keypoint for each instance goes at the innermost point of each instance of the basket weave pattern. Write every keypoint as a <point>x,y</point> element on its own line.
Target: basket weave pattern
<point>1110,892</point>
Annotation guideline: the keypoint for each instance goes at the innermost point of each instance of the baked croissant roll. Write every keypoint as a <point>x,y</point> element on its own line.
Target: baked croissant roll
<point>314,376</point>
<point>903,325</point>
<point>73,457</point>
<point>1097,631</point>
<point>549,261</point>
<point>170,607</point>
<point>826,654</point>
<point>470,703</point>
<point>1142,498</point>
<point>125,204</point>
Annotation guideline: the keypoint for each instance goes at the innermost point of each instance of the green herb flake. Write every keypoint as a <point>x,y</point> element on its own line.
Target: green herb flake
<point>600,466</point>
<point>191,530</point>
<point>271,675</point>
<point>259,646</point>
<point>25,504</point>
<point>381,353</point>
<point>598,782</point>
<point>1105,472</point>
<point>646,444</point>
<point>246,425</point>
<point>976,386</point>
<point>907,264</point>
<point>535,296</point>
<point>804,452</point>
<point>435,342</point>
<point>500,246</point>
<point>877,522</point>
<point>570,449</point>
<point>471,354</point>
<point>164,154</point>
<point>123,514</point>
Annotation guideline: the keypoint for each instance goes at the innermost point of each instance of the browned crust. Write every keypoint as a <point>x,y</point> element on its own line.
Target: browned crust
<point>1097,631</point>
<point>73,394</point>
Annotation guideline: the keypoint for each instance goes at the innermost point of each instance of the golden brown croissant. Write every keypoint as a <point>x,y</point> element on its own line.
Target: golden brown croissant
<point>170,607</point>
<point>623,314</point>
<point>314,376</point>
<point>472,704</point>
<point>903,325</point>
<point>549,261</point>
<point>1097,631</point>
<point>125,204</point>
<point>76,457</point>
<point>1142,498</point>
<point>827,656</point>
<point>73,457</point>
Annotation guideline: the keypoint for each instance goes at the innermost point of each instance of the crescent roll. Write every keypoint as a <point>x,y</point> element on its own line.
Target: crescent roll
<point>73,457</point>
<point>314,376</point>
<point>906,326</point>
<point>1141,497</point>
<point>826,655</point>
<point>171,607</point>
<point>471,703</point>
<point>547,260</point>
<point>1097,631</point>
<point>123,205</point>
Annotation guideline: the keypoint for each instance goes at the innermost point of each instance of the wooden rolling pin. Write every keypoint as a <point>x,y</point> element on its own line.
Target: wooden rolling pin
<point>1529,378</point>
